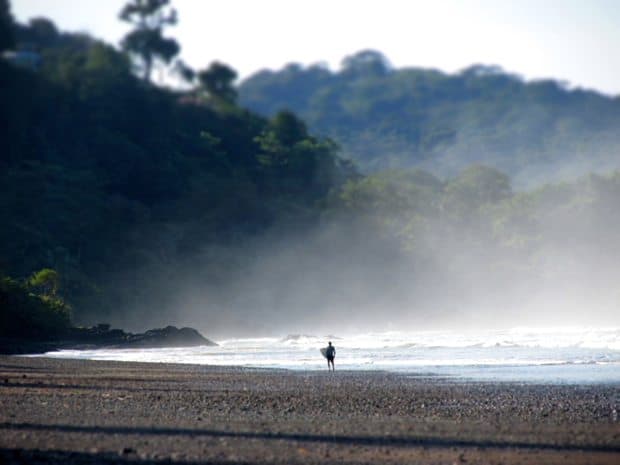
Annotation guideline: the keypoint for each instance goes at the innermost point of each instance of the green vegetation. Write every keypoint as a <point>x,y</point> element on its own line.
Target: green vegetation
<point>470,242</point>
<point>6,26</point>
<point>117,184</point>
<point>412,117</point>
<point>146,43</point>
<point>33,309</point>
<point>217,82</point>
<point>134,201</point>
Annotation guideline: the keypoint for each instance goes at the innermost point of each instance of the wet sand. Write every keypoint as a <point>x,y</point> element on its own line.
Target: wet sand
<point>81,412</point>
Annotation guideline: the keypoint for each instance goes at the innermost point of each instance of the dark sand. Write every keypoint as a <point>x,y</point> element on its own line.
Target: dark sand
<point>70,412</point>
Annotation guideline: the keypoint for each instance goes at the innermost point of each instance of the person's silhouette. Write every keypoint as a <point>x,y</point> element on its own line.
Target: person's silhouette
<point>330,354</point>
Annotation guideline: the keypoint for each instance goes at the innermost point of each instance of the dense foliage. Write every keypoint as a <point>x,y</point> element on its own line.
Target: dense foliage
<point>32,309</point>
<point>137,202</point>
<point>146,42</point>
<point>414,117</point>
<point>113,182</point>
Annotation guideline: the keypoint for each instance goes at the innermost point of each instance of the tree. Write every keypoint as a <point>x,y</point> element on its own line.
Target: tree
<point>45,282</point>
<point>293,160</point>
<point>474,188</point>
<point>366,62</point>
<point>27,314</point>
<point>217,80</point>
<point>41,32</point>
<point>288,128</point>
<point>146,41</point>
<point>7,39</point>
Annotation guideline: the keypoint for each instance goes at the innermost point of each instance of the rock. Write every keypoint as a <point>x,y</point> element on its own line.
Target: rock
<point>101,336</point>
<point>170,336</point>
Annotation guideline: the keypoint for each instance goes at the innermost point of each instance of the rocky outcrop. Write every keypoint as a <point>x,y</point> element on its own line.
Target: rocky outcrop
<point>101,336</point>
<point>170,336</point>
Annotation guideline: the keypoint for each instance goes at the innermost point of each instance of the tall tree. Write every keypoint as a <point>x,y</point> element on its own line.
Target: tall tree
<point>147,42</point>
<point>7,39</point>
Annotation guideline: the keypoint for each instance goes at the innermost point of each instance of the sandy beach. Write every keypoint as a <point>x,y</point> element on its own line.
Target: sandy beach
<point>74,412</point>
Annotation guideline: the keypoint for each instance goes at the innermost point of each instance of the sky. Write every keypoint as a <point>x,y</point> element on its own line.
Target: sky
<point>574,41</point>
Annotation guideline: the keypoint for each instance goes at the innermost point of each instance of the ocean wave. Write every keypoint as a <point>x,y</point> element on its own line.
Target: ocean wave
<point>507,351</point>
<point>595,338</point>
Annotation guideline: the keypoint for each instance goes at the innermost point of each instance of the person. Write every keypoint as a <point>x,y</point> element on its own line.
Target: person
<point>330,354</point>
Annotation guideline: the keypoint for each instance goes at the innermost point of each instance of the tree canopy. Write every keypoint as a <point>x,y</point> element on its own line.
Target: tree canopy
<point>110,185</point>
<point>146,41</point>
<point>384,117</point>
<point>218,82</point>
<point>123,202</point>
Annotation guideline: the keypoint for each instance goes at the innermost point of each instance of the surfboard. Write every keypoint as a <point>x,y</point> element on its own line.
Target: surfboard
<point>324,352</point>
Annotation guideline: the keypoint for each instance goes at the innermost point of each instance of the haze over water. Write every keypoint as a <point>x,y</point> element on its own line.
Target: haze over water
<point>551,355</point>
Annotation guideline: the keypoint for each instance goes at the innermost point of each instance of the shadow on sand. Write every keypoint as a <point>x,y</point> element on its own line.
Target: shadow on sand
<point>385,441</point>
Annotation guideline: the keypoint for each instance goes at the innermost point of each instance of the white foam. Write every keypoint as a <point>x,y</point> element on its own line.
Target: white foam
<point>587,352</point>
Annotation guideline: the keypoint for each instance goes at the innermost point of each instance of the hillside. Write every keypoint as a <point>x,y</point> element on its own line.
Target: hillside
<point>121,187</point>
<point>140,206</point>
<point>535,131</point>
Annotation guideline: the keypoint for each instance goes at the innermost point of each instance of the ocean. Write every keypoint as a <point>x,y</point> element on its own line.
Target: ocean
<point>540,355</point>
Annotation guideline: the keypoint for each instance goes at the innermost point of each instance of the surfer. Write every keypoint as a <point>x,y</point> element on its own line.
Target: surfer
<point>330,354</point>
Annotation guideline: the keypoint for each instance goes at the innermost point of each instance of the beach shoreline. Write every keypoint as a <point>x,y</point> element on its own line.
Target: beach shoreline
<point>79,411</point>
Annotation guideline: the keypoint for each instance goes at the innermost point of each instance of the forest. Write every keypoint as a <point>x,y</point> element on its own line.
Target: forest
<point>384,117</point>
<point>110,180</point>
<point>238,208</point>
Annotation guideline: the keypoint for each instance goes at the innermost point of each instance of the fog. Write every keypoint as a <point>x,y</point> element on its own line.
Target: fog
<point>565,156</point>
<point>545,258</point>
